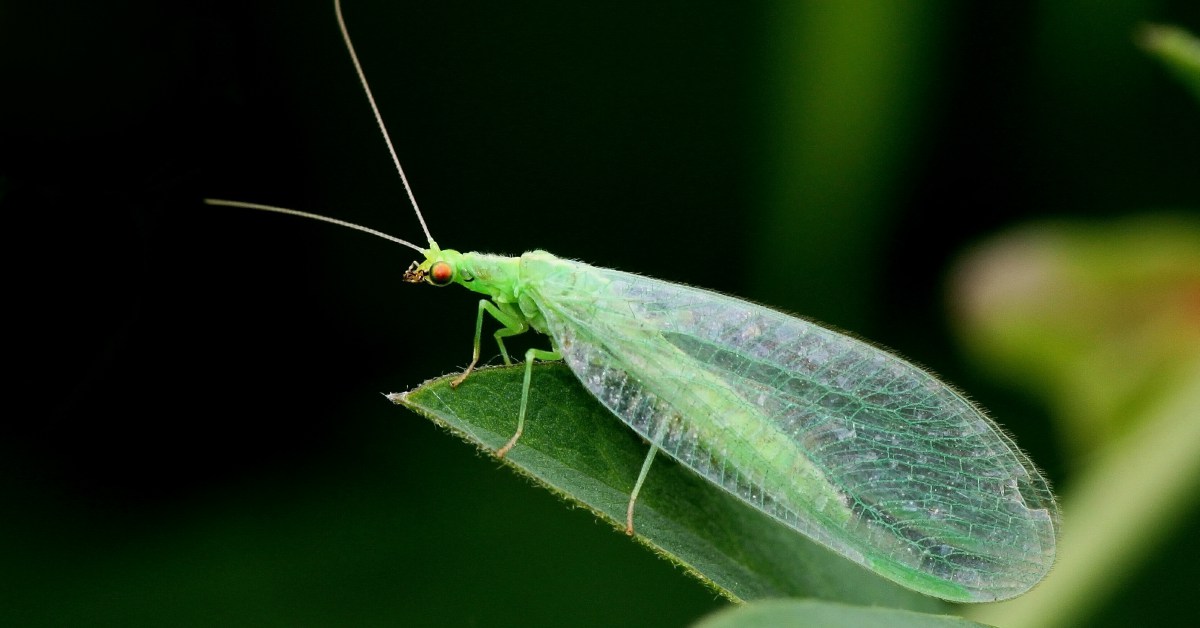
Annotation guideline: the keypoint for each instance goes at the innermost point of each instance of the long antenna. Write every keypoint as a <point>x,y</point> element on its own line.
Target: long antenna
<point>296,212</point>
<point>362,77</point>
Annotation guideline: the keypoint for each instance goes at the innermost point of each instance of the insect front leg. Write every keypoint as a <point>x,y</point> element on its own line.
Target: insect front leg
<point>530,356</point>
<point>513,324</point>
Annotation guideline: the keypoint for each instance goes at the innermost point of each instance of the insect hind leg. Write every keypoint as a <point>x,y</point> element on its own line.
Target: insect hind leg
<point>637,488</point>
<point>530,356</point>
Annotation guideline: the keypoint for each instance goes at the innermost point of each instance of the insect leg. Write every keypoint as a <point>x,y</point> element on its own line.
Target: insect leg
<point>513,323</point>
<point>637,488</point>
<point>505,332</point>
<point>530,356</point>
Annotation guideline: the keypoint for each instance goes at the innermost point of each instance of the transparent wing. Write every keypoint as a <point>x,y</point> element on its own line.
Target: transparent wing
<point>849,444</point>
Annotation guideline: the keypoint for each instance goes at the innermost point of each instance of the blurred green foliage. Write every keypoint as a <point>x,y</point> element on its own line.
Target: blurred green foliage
<point>198,438</point>
<point>1178,49</point>
<point>1099,319</point>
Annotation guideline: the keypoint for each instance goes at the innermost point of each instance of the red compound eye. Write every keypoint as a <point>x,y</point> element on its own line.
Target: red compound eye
<point>441,273</point>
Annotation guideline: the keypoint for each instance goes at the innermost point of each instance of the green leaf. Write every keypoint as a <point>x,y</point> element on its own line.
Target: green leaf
<point>577,449</point>
<point>811,613</point>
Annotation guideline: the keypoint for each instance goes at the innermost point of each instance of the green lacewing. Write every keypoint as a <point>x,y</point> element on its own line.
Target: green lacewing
<point>846,443</point>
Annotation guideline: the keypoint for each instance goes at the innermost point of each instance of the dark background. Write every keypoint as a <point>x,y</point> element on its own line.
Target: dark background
<point>195,432</point>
